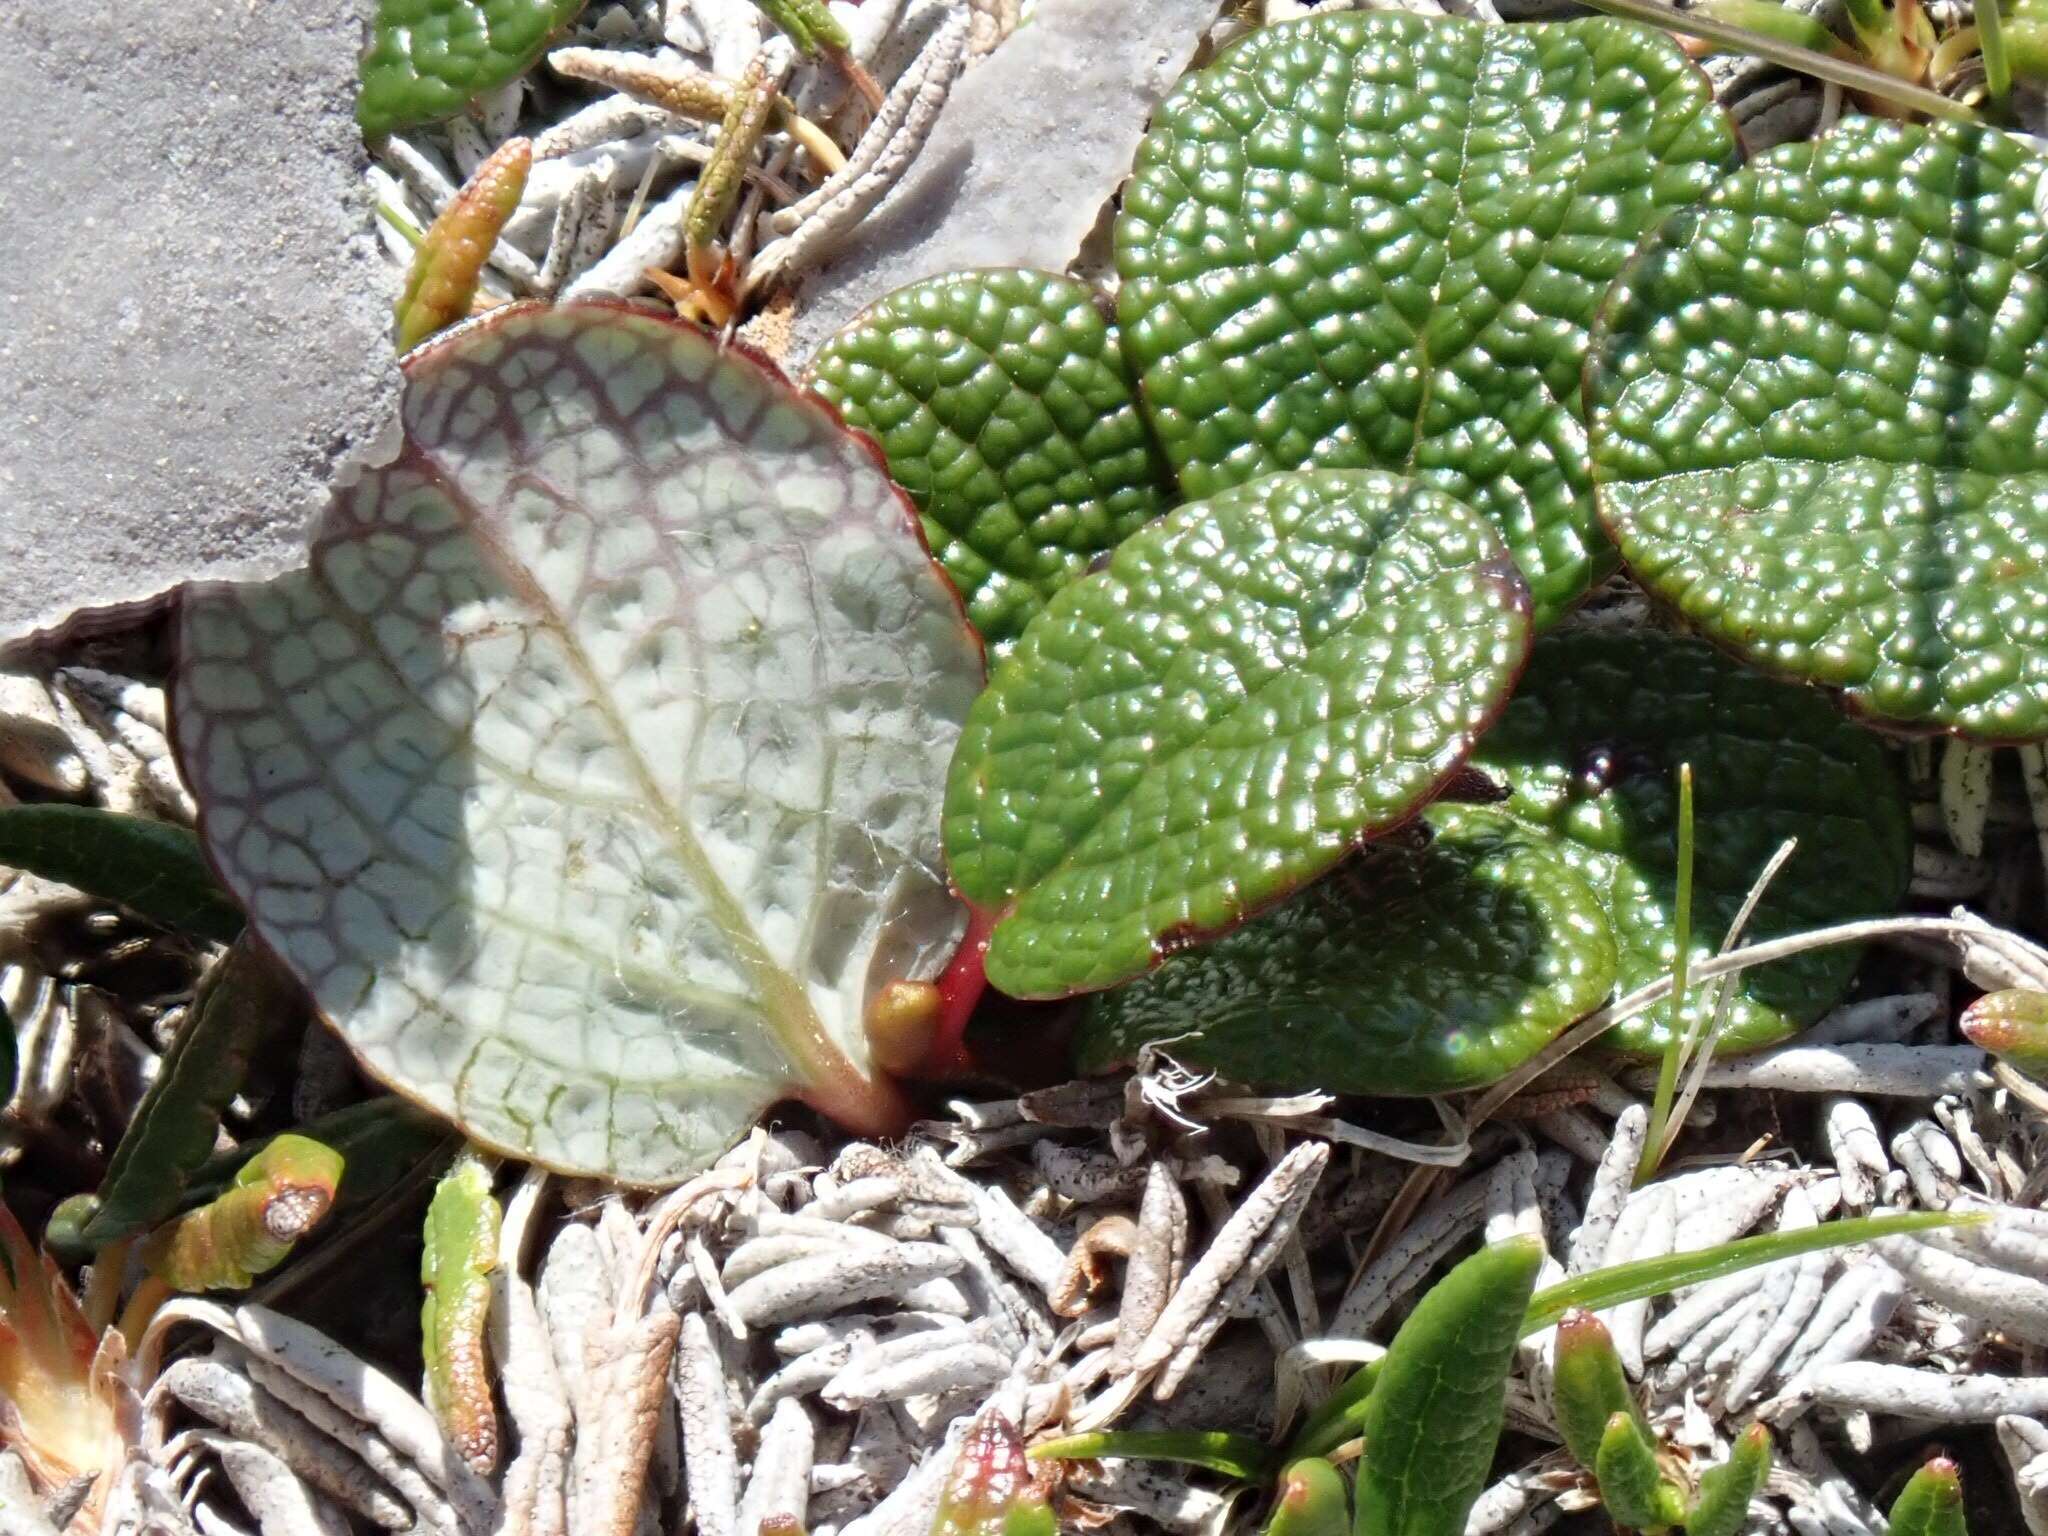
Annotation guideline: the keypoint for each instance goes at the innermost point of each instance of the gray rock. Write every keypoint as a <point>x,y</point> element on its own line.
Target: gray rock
<point>1033,142</point>
<point>194,318</point>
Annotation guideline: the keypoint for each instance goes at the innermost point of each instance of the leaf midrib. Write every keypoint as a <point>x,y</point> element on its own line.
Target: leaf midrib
<point>787,1009</point>
<point>1073,857</point>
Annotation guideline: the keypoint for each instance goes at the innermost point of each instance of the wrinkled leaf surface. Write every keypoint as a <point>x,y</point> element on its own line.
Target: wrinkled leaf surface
<point>1251,687</point>
<point>1381,240</point>
<point>1407,971</point>
<point>1002,401</point>
<point>1820,422</point>
<point>1590,748</point>
<point>429,59</point>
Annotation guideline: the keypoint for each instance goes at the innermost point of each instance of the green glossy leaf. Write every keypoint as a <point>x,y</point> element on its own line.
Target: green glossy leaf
<point>1722,1506</point>
<point>1589,748</point>
<point>1435,1415</point>
<point>1603,1288</point>
<point>1820,422</point>
<point>2012,1024</point>
<point>1406,971</point>
<point>154,869</point>
<point>1003,404</point>
<point>1253,686</point>
<point>1237,1456</point>
<point>1931,1503</point>
<point>1380,240</point>
<point>1588,1386</point>
<point>456,1260</point>
<point>243,1004</point>
<point>429,59</point>
<point>590,775</point>
<point>1632,1486</point>
<point>1311,1501</point>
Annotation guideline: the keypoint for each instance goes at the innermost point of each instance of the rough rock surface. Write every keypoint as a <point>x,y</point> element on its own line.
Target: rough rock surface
<point>194,320</point>
<point>1033,141</point>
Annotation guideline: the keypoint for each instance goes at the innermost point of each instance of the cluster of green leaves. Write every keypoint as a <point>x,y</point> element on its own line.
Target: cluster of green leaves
<point>1397,298</point>
<point>1331,452</point>
<point>1422,1422</point>
<point>1604,1429</point>
<point>1643,1488</point>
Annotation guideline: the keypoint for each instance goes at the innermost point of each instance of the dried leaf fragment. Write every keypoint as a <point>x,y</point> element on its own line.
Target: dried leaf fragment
<point>276,1198</point>
<point>60,1405</point>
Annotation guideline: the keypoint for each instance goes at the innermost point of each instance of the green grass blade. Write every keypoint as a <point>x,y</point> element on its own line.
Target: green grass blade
<point>1237,1456</point>
<point>1673,1062</point>
<point>1821,66</point>
<point>1991,43</point>
<point>154,869</point>
<point>1653,1277</point>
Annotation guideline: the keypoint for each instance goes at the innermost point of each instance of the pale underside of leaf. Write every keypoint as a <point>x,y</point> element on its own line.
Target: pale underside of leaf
<point>589,775</point>
<point>1820,423</point>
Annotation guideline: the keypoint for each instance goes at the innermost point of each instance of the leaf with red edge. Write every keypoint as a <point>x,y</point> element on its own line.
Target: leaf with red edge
<point>589,777</point>
<point>1253,686</point>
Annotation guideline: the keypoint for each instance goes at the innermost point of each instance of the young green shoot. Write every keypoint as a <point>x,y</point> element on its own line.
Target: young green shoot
<point>1704,1035</point>
<point>391,214</point>
<point>1991,43</point>
<point>1871,21</point>
<point>1341,1417</point>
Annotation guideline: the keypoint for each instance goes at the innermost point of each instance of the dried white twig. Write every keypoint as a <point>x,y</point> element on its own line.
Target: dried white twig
<point>1900,1390</point>
<point>710,1463</point>
<point>1239,1254</point>
<point>817,222</point>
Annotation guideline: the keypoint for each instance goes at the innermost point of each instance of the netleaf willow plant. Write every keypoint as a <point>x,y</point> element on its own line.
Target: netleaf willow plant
<point>621,762</point>
<point>626,760</point>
